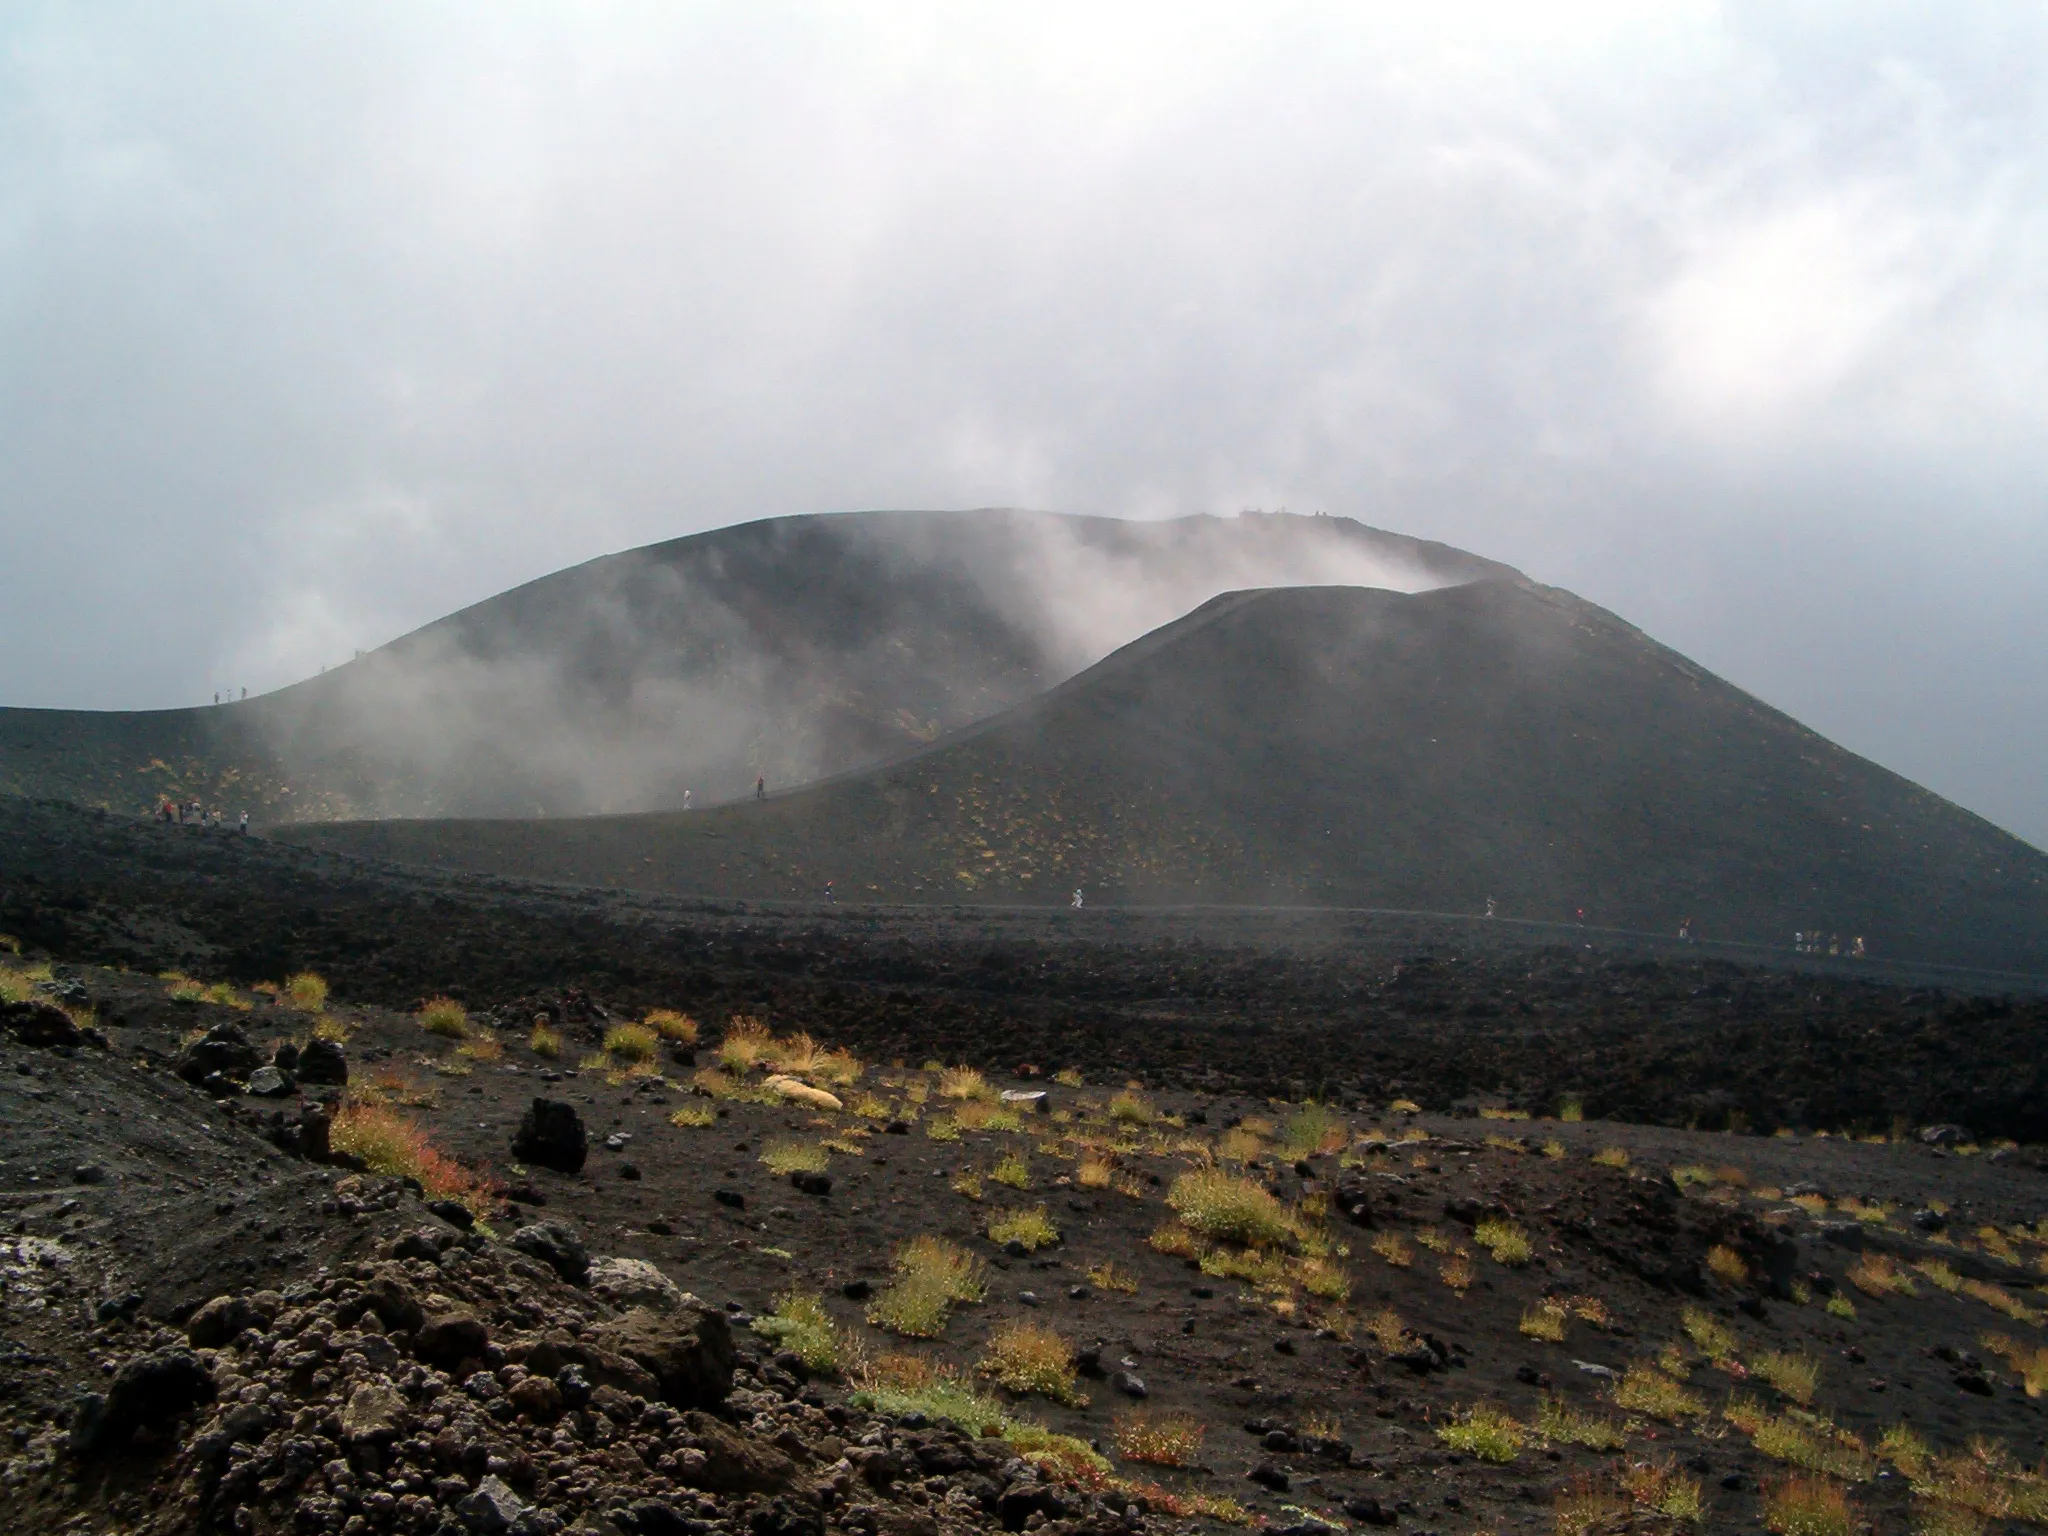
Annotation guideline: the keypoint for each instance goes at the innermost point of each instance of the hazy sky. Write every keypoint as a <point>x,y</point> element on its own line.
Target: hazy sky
<point>317,321</point>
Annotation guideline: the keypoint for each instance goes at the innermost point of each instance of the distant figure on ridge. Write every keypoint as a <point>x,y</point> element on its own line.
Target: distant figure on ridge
<point>245,824</point>
<point>829,897</point>
<point>686,799</point>
<point>760,786</point>
<point>1077,898</point>
<point>1685,930</point>
<point>1491,909</point>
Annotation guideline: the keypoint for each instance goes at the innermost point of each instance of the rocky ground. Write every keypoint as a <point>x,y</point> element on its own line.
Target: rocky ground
<point>679,1299</point>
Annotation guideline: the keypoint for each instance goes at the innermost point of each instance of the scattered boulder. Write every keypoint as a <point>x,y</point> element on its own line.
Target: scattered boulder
<point>689,1351</point>
<point>271,1082</point>
<point>286,1057</point>
<point>735,1463</point>
<point>223,1050</point>
<point>556,1246</point>
<point>538,1396</point>
<point>492,1508</point>
<point>810,1183</point>
<point>1945,1135</point>
<point>628,1283</point>
<point>37,1023</point>
<point>374,1414</point>
<point>454,1212</point>
<point>551,1135</point>
<point>453,1337</point>
<point>221,1321</point>
<point>150,1389</point>
<point>1130,1385</point>
<point>1031,1100</point>
<point>323,1061</point>
<point>387,1295</point>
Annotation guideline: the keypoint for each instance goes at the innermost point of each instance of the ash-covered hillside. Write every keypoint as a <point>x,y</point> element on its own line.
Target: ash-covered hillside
<point>791,648</point>
<point>1352,747</point>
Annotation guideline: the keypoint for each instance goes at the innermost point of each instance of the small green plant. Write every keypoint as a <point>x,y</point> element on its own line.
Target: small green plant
<point>1726,1265</point>
<point>1611,1157</point>
<point>1033,1228</point>
<point>482,1045</point>
<point>1659,1487</point>
<point>631,1042</point>
<point>1111,1276</point>
<point>1227,1208</point>
<point>1128,1108</point>
<point>1012,1169</point>
<point>1160,1439</point>
<point>1487,1432</point>
<point>1840,1306</point>
<point>445,1017</point>
<point>1572,1111</point>
<point>398,1147</point>
<point>1558,1420</point>
<point>1393,1247</point>
<point>1797,1376</point>
<point>1646,1390</point>
<point>1508,1243</point>
<point>1030,1358</point>
<point>306,992</point>
<point>964,1083</point>
<point>678,1028</point>
<point>693,1117</point>
<point>545,1041</point>
<point>801,1324</point>
<point>1068,1077</point>
<point>1545,1321</point>
<point>1587,1506</point>
<point>1311,1129</point>
<point>746,1043</point>
<point>1807,1506</point>
<point>1709,1334</point>
<point>786,1155</point>
<point>932,1277</point>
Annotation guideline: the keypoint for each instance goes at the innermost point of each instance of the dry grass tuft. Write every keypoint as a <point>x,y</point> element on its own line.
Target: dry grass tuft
<point>1558,1420</point>
<point>800,1323</point>
<point>964,1083</point>
<point>1457,1272</point>
<point>1169,1438</point>
<point>1661,1489</point>
<point>1393,1247</point>
<point>746,1043</point>
<point>397,1147</point>
<point>1227,1208</point>
<point>1013,1169</point>
<point>445,1017</point>
<point>545,1041</point>
<point>2029,1362</point>
<point>1797,1376</point>
<point>631,1042</point>
<point>1095,1172</point>
<point>1807,1506</point>
<point>1111,1276</point>
<point>1588,1507</point>
<point>1032,1358</point>
<point>1726,1265</point>
<point>482,1045</point>
<point>671,1025</point>
<point>786,1155</point>
<point>693,1117</point>
<point>1128,1108</point>
<point>1713,1338</point>
<point>1611,1157</point>
<point>1645,1389</point>
<point>1508,1243</point>
<point>1545,1321</point>
<point>1878,1274</point>
<point>1033,1228</point>
<point>1175,1241</point>
<point>932,1277</point>
<point>306,991</point>
<point>1489,1433</point>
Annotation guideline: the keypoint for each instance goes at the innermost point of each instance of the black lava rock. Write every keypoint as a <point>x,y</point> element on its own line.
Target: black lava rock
<point>551,1135</point>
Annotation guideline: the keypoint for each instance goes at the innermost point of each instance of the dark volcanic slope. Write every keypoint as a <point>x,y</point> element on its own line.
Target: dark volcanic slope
<point>794,647</point>
<point>1357,748</point>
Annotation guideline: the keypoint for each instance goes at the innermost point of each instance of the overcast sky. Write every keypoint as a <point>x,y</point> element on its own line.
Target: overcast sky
<point>318,321</point>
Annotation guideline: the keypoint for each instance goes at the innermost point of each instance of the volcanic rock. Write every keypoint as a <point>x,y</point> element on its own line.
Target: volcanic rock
<point>551,1135</point>
<point>689,1351</point>
<point>223,1049</point>
<point>556,1246</point>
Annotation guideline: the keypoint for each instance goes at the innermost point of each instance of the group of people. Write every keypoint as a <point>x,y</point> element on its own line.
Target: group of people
<point>190,813</point>
<point>1829,944</point>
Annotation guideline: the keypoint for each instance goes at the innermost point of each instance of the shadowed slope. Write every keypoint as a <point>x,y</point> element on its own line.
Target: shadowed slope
<point>1338,746</point>
<point>793,647</point>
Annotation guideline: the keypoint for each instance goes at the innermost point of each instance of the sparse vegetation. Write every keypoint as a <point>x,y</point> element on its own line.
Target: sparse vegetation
<point>1033,1228</point>
<point>1558,1420</point>
<point>1709,1334</point>
<point>786,1155</point>
<point>1158,1438</point>
<point>1013,1169</point>
<point>398,1147</point>
<point>1457,1272</point>
<point>1587,1507</point>
<point>1130,1108</point>
<point>693,1117</point>
<point>964,1083</point>
<point>1660,1488</point>
<point>545,1041</point>
<point>1807,1506</point>
<point>1646,1390</point>
<point>1031,1358</point>
<point>1545,1321</point>
<point>1228,1208</point>
<point>1611,1157</point>
<point>1311,1129</point>
<point>1487,1432</point>
<point>481,1045</point>
<point>445,1017</point>
<point>745,1044</point>
<point>1111,1276</point>
<point>801,1324</point>
<point>1878,1274</point>
<point>932,1277</point>
<point>1393,1247</point>
<point>1508,1243</point>
<point>1726,1265</point>
<point>1797,1376</point>
<point>632,1043</point>
<point>306,991</point>
<point>677,1028</point>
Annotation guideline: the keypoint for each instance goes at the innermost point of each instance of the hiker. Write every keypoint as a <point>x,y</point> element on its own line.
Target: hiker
<point>1685,930</point>
<point>1491,910</point>
<point>829,897</point>
<point>245,824</point>
<point>1077,898</point>
<point>686,799</point>
<point>760,786</point>
<point>1856,946</point>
